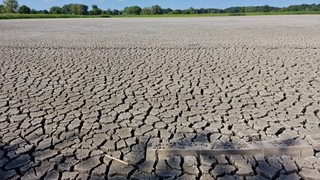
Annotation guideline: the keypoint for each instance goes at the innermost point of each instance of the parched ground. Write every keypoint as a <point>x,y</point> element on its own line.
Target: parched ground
<point>160,98</point>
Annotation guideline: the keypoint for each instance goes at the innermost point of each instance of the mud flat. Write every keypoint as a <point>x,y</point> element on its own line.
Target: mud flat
<point>160,98</point>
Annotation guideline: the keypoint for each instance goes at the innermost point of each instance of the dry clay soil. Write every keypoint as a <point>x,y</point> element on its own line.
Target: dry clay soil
<point>88,98</point>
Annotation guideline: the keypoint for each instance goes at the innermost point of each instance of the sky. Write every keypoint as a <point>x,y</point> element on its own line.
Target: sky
<point>173,4</point>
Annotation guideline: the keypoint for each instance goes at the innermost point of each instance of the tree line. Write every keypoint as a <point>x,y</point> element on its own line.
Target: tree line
<point>12,6</point>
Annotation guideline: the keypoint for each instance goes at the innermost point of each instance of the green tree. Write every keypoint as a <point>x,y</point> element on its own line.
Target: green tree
<point>24,10</point>
<point>250,9</point>
<point>56,10</point>
<point>191,10</point>
<point>79,9</point>
<point>116,12</point>
<point>1,9</point>
<point>43,12</point>
<point>314,7</point>
<point>108,12</point>
<point>266,8</point>
<point>10,6</point>
<point>33,11</point>
<point>233,10</point>
<point>95,10</point>
<point>177,11</point>
<point>156,9</point>
<point>146,11</point>
<point>132,10</point>
<point>167,10</point>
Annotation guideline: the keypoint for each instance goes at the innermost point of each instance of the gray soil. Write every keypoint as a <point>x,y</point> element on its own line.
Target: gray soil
<point>160,98</point>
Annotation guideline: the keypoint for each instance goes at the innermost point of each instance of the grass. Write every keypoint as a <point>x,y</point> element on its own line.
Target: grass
<point>38,16</point>
<point>169,15</point>
<point>281,13</point>
<point>220,14</point>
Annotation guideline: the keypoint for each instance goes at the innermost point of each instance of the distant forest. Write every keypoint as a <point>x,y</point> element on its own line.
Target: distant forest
<point>11,6</point>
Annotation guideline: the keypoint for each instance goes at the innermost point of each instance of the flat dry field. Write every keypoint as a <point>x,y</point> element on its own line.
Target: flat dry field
<point>88,98</point>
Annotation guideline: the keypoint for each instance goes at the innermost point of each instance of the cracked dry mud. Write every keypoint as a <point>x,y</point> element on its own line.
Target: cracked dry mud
<point>87,98</point>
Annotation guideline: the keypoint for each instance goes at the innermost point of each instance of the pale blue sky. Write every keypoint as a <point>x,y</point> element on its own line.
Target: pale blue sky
<point>173,4</point>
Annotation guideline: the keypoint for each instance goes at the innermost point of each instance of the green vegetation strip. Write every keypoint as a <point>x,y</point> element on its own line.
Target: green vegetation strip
<point>221,14</point>
<point>38,16</point>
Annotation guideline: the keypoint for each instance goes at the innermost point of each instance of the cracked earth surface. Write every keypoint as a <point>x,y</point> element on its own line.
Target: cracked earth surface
<point>87,98</point>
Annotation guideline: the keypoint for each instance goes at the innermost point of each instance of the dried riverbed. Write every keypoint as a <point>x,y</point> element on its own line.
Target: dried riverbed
<point>88,98</point>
